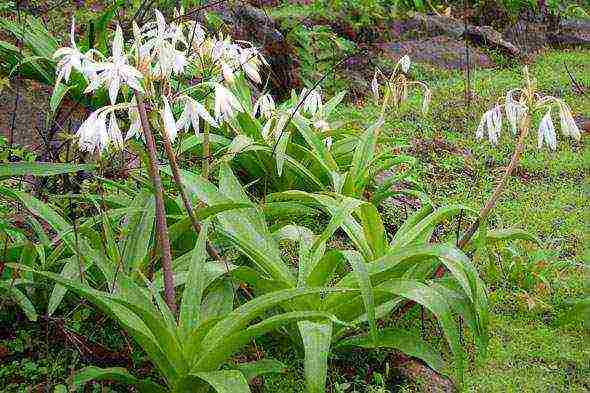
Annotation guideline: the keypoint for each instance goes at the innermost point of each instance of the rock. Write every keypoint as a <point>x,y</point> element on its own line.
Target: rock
<point>487,36</point>
<point>571,32</point>
<point>440,51</point>
<point>439,24</point>
<point>479,35</point>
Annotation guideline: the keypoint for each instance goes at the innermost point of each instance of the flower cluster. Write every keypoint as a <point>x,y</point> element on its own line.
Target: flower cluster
<point>518,106</point>
<point>397,85</point>
<point>157,52</point>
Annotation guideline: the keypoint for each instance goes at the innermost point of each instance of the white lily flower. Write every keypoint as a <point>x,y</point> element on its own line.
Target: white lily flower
<point>228,73</point>
<point>193,111</point>
<point>492,122</point>
<point>135,129</point>
<point>313,101</point>
<point>93,134</point>
<point>328,142</point>
<point>568,124</point>
<point>248,61</point>
<point>70,58</point>
<point>112,73</point>
<point>264,105</point>
<point>114,132</point>
<point>547,133</point>
<point>405,63</point>
<point>226,104</point>
<point>168,119</point>
<point>375,87</point>
<point>515,112</point>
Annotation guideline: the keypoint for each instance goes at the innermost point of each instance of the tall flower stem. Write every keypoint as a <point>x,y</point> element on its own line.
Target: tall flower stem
<point>161,227</point>
<point>491,203</point>
<point>185,199</point>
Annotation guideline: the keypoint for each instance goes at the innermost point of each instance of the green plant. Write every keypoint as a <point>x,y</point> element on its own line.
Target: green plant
<point>385,274</point>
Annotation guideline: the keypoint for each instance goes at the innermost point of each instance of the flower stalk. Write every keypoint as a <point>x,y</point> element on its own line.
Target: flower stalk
<point>161,227</point>
<point>211,250</point>
<point>491,203</point>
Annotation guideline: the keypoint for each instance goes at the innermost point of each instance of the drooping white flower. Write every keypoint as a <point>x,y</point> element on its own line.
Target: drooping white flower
<point>193,111</point>
<point>226,104</point>
<point>264,106</point>
<point>515,112</point>
<point>328,142</point>
<point>168,119</point>
<point>312,101</point>
<point>568,124</point>
<point>112,73</point>
<point>93,134</point>
<point>114,132</point>
<point>227,72</point>
<point>405,63</point>
<point>69,58</point>
<point>547,133</point>
<point>491,122</point>
<point>134,120</point>
<point>375,87</point>
<point>248,61</point>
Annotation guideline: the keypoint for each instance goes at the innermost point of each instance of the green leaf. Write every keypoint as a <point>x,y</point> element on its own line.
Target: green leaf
<point>261,367</point>
<point>373,229</point>
<point>71,270</point>
<point>115,374</point>
<point>138,230</point>
<point>364,283</point>
<point>401,340</point>
<point>225,381</point>
<point>511,234</point>
<point>316,338</point>
<point>363,155</point>
<point>41,168</point>
<point>190,306</point>
<point>20,299</point>
<point>59,91</point>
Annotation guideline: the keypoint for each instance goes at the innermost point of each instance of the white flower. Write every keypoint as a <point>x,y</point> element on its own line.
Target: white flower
<point>134,120</point>
<point>328,142</point>
<point>114,132</point>
<point>93,133</point>
<point>112,73</point>
<point>70,57</point>
<point>168,120</point>
<point>322,125</point>
<point>375,87</point>
<point>547,132</point>
<point>404,63</point>
<point>568,124</point>
<point>265,105</point>
<point>226,104</point>
<point>161,41</point>
<point>492,122</point>
<point>228,73</point>
<point>193,111</point>
<point>248,61</point>
<point>312,101</point>
<point>515,112</point>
